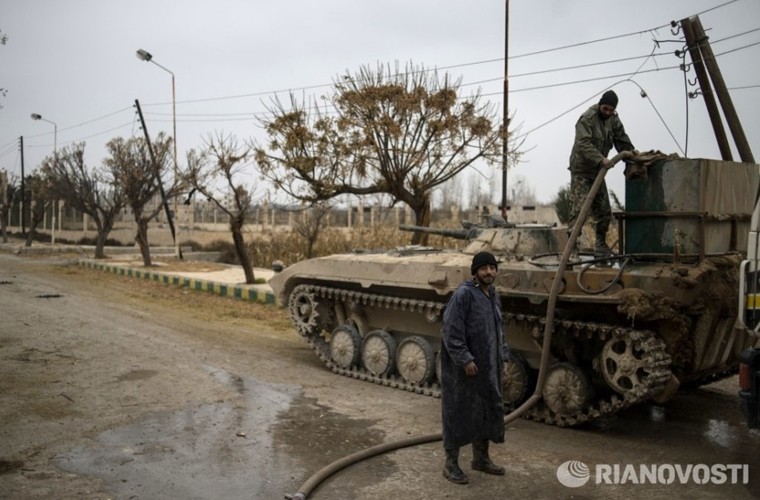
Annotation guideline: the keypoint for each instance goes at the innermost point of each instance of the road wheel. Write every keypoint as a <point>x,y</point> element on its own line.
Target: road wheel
<point>379,353</point>
<point>518,381</point>
<point>415,360</point>
<point>567,389</point>
<point>345,346</point>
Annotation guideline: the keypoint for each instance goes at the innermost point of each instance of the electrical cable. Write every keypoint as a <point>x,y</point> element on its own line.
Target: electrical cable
<point>478,82</point>
<point>586,266</point>
<point>686,98</point>
<point>453,66</point>
<point>495,79</point>
<point>9,149</point>
<point>543,51</point>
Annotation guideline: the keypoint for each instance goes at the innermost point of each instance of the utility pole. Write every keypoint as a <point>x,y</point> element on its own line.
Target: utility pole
<point>703,58</point>
<point>707,92</point>
<point>23,192</point>
<point>169,215</point>
<point>729,111</point>
<point>505,115</point>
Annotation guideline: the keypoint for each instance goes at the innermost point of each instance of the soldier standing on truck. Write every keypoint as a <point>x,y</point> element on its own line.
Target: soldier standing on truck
<point>596,132</point>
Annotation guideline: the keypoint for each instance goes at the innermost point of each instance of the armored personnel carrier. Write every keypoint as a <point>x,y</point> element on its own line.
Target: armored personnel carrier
<point>627,329</point>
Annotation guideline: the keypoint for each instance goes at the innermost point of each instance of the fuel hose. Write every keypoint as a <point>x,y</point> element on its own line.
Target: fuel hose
<point>321,475</point>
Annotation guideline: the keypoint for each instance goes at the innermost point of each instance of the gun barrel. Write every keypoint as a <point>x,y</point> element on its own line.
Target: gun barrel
<point>460,234</point>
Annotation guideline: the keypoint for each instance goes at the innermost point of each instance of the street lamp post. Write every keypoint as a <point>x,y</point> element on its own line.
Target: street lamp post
<point>144,55</point>
<point>37,116</point>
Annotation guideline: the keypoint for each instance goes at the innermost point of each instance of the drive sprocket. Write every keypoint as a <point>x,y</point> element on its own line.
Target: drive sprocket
<point>305,310</point>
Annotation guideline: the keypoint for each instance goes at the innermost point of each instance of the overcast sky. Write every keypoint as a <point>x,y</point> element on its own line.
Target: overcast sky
<point>74,63</point>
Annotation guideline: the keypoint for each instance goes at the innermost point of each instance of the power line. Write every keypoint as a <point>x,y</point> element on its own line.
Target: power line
<point>10,143</point>
<point>7,152</point>
<point>248,116</point>
<point>254,114</point>
<point>97,119</point>
<point>527,54</point>
<point>607,77</point>
<point>615,37</point>
<point>81,138</point>
<point>734,36</point>
<point>745,87</point>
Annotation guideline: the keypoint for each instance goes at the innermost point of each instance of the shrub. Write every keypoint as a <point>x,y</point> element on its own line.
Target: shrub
<point>226,251</point>
<point>267,247</point>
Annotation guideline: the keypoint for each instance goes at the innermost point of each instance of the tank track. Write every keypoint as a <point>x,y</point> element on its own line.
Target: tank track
<point>657,362</point>
<point>322,349</point>
<point>656,358</point>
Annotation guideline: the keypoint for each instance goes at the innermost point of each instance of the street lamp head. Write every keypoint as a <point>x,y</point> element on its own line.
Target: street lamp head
<point>36,116</point>
<point>144,55</point>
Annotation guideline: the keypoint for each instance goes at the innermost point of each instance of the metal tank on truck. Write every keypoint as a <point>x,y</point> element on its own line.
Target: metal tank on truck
<point>627,329</point>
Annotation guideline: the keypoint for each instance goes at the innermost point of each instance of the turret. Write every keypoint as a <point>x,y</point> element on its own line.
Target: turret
<point>503,238</point>
<point>470,232</point>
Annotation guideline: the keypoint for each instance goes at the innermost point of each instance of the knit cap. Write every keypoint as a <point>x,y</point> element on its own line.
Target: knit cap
<point>482,259</point>
<point>610,98</point>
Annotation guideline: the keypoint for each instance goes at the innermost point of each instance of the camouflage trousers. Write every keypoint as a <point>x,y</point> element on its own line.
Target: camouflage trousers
<point>601,212</point>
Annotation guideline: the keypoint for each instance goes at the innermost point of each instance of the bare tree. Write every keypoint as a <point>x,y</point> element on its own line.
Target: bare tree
<point>401,132</point>
<point>221,165</point>
<point>452,194</point>
<point>480,196</point>
<point>311,223</point>
<point>3,41</point>
<point>8,191</point>
<point>93,192</point>
<point>39,192</point>
<point>521,192</point>
<point>131,167</point>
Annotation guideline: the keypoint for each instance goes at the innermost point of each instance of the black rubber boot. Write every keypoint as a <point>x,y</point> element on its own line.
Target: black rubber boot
<point>482,462</point>
<point>451,470</point>
<point>601,249</point>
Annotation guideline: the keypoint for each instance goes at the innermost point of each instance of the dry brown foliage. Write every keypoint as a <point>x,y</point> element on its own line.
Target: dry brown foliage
<point>290,248</point>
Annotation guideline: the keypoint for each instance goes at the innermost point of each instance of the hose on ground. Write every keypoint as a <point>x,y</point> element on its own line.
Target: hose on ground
<point>315,480</point>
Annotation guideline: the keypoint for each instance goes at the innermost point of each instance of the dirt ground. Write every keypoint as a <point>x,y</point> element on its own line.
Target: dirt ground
<point>107,352</point>
<point>113,387</point>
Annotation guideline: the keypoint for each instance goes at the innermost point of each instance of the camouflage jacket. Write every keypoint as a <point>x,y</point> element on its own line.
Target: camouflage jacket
<point>594,138</point>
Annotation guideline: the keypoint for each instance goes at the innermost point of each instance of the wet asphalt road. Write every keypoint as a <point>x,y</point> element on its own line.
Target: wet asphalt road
<point>280,417</point>
<point>195,453</point>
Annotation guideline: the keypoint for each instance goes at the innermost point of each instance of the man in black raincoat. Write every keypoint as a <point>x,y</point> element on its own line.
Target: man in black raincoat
<point>472,358</point>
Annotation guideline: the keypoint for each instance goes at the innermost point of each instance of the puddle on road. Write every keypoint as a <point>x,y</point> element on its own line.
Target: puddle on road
<point>260,446</point>
<point>707,418</point>
<point>315,436</point>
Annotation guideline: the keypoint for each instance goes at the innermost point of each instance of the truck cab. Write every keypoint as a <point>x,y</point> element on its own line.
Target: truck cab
<point>749,320</point>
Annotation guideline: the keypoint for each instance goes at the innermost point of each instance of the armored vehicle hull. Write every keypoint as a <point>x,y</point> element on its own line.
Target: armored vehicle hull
<point>626,329</point>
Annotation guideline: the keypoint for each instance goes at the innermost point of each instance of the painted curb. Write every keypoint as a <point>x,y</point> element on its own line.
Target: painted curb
<point>243,292</point>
